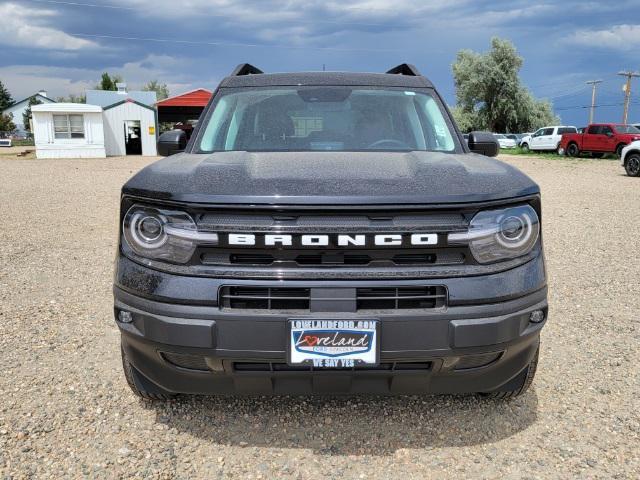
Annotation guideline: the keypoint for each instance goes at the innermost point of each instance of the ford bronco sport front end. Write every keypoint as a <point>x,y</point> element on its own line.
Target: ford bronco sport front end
<point>329,233</point>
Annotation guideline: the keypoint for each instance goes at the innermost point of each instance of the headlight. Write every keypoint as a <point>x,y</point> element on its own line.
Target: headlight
<point>500,234</point>
<point>168,235</point>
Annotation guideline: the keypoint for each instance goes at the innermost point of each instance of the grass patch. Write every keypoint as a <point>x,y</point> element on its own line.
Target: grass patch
<point>23,143</point>
<point>551,155</point>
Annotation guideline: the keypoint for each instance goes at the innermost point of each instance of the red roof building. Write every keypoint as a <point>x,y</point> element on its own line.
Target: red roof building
<point>183,108</point>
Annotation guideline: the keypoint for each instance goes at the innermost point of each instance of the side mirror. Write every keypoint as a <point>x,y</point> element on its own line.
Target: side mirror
<point>484,143</point>
<point>174,141</point>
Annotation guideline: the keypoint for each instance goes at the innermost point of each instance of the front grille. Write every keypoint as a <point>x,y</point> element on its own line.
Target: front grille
<point>284,367</point>
<point>366,298</point>
<point>296,258</point>
<point>332,223</point>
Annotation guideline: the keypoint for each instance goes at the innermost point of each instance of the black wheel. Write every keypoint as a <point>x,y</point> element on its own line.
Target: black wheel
<point>525,147</point>
<point>597,155</point>
<point>142,386</point>
<point>522,382</point>
<point>632,165</point>
<point>619,149</point>
<point>573,150</point>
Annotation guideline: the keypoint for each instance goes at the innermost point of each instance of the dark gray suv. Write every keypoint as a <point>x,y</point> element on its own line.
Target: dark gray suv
<point>329,233</point>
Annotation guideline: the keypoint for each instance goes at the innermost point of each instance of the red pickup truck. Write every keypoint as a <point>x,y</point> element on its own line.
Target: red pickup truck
<point>599,139</point>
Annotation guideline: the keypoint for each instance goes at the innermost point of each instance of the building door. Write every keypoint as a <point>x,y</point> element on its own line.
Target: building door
<point>132,140</point>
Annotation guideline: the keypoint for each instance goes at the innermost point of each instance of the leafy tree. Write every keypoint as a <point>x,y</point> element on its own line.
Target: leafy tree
<point>108,82</point>
<point>26,116</point>
<point>6,123</point>
<point>161,89</point>
<point>72,99</point>
<point>489,94</point>
<point>5,97</point>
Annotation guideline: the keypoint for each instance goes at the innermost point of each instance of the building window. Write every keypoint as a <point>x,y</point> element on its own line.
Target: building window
<point>68,126</point>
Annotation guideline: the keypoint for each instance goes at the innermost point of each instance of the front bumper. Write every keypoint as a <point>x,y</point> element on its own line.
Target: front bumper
<point>420,352</point>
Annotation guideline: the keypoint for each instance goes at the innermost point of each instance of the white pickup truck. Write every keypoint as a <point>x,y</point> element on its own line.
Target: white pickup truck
<point>546,138</point>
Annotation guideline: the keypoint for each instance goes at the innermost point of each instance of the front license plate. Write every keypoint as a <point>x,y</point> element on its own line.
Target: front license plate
<point>333,343</point>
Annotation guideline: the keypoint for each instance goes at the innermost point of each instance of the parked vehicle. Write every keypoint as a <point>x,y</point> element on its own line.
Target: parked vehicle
<point>546,138</point>
<point>599,139</point>
<point>504,141</point>
<point>329,233</point>
<point>630,157</point>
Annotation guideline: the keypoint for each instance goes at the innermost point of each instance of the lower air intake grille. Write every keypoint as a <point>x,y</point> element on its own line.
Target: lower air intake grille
<point>299,299</point>
<point>284,367</point>
<point>192,362</point>
<point>399,298</point>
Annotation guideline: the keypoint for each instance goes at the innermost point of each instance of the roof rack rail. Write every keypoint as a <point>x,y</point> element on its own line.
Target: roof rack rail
<point>245,69</point>
<point>405,69</point>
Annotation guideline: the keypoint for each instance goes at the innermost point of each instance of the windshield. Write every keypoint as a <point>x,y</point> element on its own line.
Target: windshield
<point>626,129</point>
<point>326,118</point>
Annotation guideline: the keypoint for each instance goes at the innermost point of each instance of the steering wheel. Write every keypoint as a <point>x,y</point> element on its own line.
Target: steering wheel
<point>389,141</point>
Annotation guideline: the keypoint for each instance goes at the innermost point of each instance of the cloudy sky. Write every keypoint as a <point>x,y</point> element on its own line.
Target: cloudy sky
<point>64,46</point>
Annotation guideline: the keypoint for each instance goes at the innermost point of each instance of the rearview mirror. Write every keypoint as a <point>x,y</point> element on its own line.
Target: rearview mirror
<point>174,141</point>
<point>483,143</point>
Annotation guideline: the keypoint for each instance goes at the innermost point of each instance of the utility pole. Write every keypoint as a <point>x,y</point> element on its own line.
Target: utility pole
<point>627,92</point>
<point>593,84</point>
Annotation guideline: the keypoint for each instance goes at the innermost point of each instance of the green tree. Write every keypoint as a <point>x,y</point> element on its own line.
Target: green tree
<point>6,123</point>
<point>489,94</point>
<point>72,98</point>
<point>161,89</point>
<point>5,97</point>
<point>108,82</point>
<point>26,116</point>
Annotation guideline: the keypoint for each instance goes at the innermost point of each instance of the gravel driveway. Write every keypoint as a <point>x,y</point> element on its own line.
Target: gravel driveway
<point>65,410</point>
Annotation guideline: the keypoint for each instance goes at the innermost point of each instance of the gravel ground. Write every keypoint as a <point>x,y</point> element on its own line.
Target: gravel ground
<point>66,412</point>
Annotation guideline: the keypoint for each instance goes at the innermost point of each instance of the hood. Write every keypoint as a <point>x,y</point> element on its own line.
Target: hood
<point>330,178</point>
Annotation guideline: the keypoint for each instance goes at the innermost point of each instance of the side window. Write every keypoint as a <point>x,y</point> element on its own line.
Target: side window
<point>606,130</point>
<point>538,133</point>
<point>548,131</point>
<point>562,131</point>
<point>594,130</point>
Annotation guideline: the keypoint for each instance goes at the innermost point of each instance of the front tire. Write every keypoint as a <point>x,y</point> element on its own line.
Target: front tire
<point>525,147</point>
<point>619,150</point>
<point>573,150</point>
<point>141,386</point>
<point>527,379</point>
<point>632,165</point>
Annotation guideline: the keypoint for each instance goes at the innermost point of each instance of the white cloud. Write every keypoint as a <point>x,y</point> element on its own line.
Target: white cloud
<point>22,26</point>
<point>24,80</point>
<point>619,37</point>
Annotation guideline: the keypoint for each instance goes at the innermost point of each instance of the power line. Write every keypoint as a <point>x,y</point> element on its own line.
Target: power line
<point>575,107</point>
<point>232,44</point>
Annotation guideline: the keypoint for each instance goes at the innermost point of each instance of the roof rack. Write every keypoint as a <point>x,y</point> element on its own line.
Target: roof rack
<point>245,69</point>
<point>405,69</point>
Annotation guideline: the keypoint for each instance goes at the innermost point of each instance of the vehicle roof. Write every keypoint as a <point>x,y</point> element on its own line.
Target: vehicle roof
<point>327,78</point>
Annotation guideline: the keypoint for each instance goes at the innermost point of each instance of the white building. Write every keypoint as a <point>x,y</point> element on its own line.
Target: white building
<point>17,109</point>
<point>125,126</point>
<point>68,130</point>
<point>130,129</point>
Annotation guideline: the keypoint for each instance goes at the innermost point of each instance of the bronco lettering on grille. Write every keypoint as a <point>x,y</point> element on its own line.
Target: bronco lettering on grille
<point>339,240</point>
